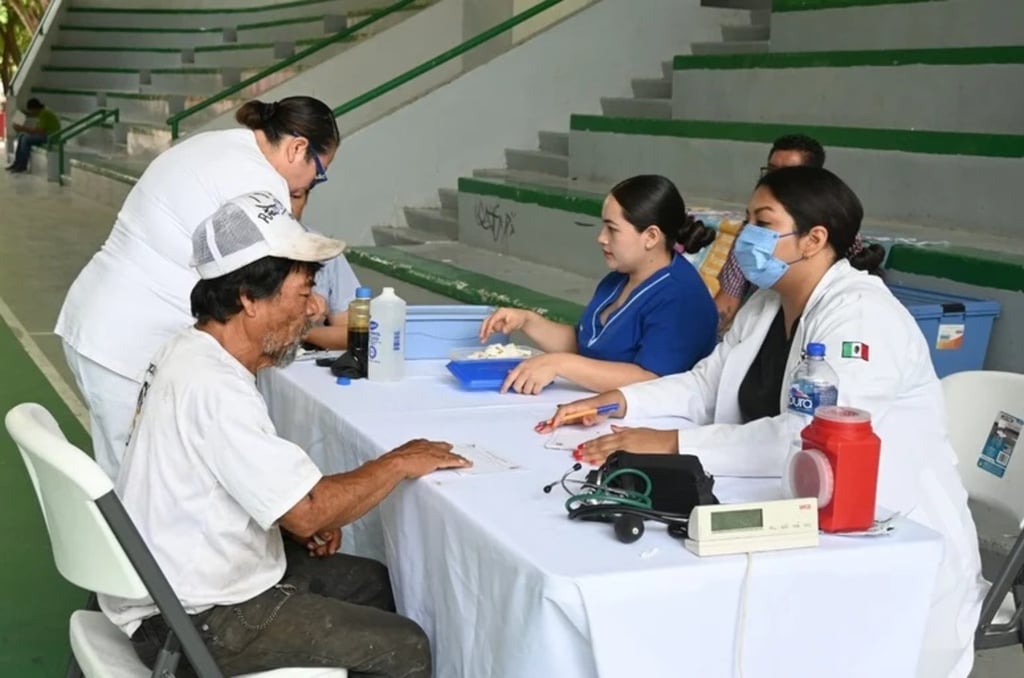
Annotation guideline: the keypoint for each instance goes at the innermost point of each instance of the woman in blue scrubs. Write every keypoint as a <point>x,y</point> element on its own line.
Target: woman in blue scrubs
<point>651,316</point>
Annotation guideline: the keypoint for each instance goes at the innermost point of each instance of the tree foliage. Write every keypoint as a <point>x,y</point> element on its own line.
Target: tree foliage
<point>19,20</point>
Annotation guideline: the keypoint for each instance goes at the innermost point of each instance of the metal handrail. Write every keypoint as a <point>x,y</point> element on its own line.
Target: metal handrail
<point>444,57</point>
<point>175,120</point>
<point>61,138</point>
<point>28,56</point>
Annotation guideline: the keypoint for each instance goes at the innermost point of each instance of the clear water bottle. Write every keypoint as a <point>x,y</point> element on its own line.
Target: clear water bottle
<point>814,383</point>
<point>387,337</point>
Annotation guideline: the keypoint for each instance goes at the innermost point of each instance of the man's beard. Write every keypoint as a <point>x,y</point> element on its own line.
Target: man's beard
<point>283,355</point>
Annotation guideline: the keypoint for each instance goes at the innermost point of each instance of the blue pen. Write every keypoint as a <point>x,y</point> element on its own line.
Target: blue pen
<point>598,411</point>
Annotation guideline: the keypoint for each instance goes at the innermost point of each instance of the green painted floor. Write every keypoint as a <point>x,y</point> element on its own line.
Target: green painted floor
<point>36,601</point>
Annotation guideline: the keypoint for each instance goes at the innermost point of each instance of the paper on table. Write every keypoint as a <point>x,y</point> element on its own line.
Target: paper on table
<point>484,461</point>
<point>571,437</point>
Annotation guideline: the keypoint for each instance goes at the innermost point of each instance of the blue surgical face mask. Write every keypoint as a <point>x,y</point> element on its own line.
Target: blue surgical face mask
<point>755,253</point>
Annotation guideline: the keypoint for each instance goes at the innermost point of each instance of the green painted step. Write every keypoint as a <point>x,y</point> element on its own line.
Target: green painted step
<point>907,141</point>
<point>565,199</point>
<point>281,22</point>
<point>207,10</point>
<point>102,69</point>
<point>158,50</point>
<point>958,56</point>
<point>37,602</point>
<point>200,30</point>
<point>121,175</point>
<point>466,286</point>
<point>267,45</point>
<point>804,5</point>
<point>109,93</point>
<point>984,268</point>
<point>127,29</point>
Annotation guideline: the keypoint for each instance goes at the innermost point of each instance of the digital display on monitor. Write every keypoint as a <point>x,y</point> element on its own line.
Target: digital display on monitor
<point>736,520</point>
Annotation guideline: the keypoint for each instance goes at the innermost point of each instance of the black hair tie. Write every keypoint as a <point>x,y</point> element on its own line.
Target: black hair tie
<point>268,111</point>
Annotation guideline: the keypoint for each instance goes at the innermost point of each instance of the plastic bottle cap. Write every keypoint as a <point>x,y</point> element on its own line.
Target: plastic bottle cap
<point>364,292</point>
<point>343,381</point>
<point>843,415</point>
<point>809,474</point>
<point>816,350</point>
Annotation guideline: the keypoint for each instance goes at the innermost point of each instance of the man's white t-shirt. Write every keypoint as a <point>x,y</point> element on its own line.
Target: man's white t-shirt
<point>205,479</point>
<point>133,295</point>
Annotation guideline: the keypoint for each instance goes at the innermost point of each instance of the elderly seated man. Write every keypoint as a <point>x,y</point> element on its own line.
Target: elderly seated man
<point>213,488</point>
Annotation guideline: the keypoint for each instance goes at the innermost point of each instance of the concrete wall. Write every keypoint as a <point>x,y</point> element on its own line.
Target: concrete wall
<point>370,63</point>
<point>934,190</point>
<point>959,23</point>
<point>542,21</point>
<point>553,237</point>
<point>960,98</point>
<point>404,157</point>
<point>1006,346</point>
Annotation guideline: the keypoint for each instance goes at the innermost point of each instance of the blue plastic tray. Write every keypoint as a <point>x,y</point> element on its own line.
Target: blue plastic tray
<point>482,375</point>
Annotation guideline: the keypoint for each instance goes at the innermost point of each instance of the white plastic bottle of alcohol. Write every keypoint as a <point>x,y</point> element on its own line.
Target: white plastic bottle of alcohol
<point>387,337</point>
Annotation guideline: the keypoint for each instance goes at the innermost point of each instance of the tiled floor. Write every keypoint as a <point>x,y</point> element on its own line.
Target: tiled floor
<point>47,234</point>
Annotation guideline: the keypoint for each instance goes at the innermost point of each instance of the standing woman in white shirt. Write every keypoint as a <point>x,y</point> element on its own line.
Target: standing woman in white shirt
<point>133,294</point>
<point>798,248</point>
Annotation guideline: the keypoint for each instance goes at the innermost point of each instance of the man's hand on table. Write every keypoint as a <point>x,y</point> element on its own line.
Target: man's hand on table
<point>420,457</point>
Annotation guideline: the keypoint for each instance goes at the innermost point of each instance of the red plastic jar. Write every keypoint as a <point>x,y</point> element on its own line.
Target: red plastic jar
<point>838,464</point>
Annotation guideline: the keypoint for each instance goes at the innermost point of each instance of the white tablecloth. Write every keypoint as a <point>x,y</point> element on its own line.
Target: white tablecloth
<point>506,586</point>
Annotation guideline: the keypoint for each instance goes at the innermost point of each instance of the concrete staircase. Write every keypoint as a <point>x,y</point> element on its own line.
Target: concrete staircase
<point>910,130</point>
<point>745,38</point>
<point>151,63</point>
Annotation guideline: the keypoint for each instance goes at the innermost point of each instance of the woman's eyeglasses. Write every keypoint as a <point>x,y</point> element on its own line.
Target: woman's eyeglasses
<point>321,172</point>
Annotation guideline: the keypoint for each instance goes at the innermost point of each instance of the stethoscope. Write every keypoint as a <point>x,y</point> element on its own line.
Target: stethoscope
<point>627,509</point>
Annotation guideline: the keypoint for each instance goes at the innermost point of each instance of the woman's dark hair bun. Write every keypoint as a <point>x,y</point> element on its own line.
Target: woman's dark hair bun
<point>302,116</point>
<point>694,235</point>
<point>869,258</point>
<point>251,115</point>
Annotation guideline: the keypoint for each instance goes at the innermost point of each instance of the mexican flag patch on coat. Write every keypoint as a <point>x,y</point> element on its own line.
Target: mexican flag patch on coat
<point>855,349</point>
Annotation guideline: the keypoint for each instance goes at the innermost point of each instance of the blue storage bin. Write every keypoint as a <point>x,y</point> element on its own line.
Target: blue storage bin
<point>431,332</point>
<point>956,328</point>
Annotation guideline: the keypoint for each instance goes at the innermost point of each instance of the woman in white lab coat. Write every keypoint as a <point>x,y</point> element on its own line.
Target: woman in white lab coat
<point>133,295</point>
<point>801,225</point>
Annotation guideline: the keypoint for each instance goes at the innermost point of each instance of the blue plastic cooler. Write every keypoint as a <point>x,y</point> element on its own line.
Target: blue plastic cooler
<point>431,332</point>
<point>956,328</point>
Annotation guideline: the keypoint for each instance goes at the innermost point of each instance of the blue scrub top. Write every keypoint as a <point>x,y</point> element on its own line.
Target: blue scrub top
<point>668,323</point>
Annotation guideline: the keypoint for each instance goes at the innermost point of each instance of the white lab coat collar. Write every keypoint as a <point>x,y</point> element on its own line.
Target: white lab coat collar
<point>749,331</point>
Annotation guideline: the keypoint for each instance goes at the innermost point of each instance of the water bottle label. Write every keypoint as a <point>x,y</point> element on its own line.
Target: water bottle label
<point>396,341</point>
<point>805,397</point>
<point>374,342</point>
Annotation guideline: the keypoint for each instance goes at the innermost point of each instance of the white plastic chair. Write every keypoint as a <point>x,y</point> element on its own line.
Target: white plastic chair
<point>97,547</point>
<point>974,401</point>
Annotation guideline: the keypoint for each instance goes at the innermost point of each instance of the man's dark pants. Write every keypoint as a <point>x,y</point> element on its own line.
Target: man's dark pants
<point>336,611</point>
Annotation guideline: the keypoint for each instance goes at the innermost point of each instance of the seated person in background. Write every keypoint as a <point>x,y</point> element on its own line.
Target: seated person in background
<point>213,489</point>
<point>42,124</point>
<point>651,316</point>
<point>802,222</point>
<point>336,283</point>
<point>791,150</point>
